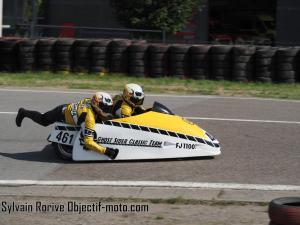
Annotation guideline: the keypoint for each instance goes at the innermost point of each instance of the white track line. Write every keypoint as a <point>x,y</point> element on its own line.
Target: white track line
<point>243,120</point>
<point>215,119</point>
<point>9,113</point>
<point>167,184</point>
<point>152,95</point>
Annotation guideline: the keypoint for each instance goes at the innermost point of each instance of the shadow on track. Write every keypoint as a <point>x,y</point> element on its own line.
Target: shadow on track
<point>149,160</point>
<point>47,154</point>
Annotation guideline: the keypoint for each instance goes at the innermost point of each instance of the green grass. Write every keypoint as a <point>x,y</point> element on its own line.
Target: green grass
<point>169,85</point>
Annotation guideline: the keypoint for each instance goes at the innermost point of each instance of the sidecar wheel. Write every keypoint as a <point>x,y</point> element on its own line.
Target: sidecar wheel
<point>63,151</point>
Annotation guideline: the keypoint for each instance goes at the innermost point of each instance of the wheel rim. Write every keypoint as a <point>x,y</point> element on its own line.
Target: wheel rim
<point>65,150</point>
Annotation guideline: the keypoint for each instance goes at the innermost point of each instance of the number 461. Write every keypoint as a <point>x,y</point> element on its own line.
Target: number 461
<point>64,137</point>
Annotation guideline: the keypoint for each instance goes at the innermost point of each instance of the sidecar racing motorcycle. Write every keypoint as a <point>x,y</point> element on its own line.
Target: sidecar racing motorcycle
<point>155,134</point>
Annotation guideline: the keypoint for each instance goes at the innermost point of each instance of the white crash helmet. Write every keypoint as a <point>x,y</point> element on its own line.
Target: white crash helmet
<point>133,94</point>
<point>102,104</point>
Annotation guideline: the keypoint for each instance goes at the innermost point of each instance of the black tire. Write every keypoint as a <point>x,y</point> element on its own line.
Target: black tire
<point>45,61</point>
<point>262,69</point>
<point>199,64</point>
<point>285,67</point>
<point>25,49</point>
<point>62,55</point>
<point>199,74</point>
<point>243,50</point>
<point>64,42</point>
<point>263,61</point>
<point>240,75</point>
<point>240,66</point>
<point>285,76</point>
<point>200,49</point>
<point>179,49</point>
<point>220,74</point>
<point>27,43</point>
<point>284,59</point>
<point>157,70</point>
<point>82,55</point>
<point>177,57</point>
<point>136,63</point>
<point>199,57</point>
<point>263,79</point>
<point>158,48</point>
<point>63,61</point>
<point>8,44</point>
<point>100,43</point>
<point>27,60</point>
<point>81,50</point>
<point>44,48</point>
<point>177,71</point>
<point>178,64</point>
<point>221,49</point>
<point>265,53</point>
<point>243,59</point>
<point>26,55</point>
<point>158,56</point>
<point>220,64</point>
<point>98,50</point>
<point>285,211</point>
<point>137,71</point>
<point>99,63</point>
<point>137,55</point>
<point>117,56</point>
<point>154,64</point>
<point>117,50</point>
<point>287,52</point>
<point>44,54</point>
<point>116,43</point>
<point>95,58</point>
<point>138,48</point>
<point>221,57</point>
<point>63,151</point>
<point>46,42</point>
<point>82,43</point>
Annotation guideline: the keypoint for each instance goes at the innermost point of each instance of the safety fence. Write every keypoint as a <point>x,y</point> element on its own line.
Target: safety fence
<point>141,59</point>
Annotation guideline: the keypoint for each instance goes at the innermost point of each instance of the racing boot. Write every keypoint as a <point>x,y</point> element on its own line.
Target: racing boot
<point>33,115</point>
<point>20,117</point>
<point>112,152</point>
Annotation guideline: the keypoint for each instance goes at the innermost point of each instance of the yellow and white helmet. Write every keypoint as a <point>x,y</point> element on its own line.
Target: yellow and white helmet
<point>102,104</point>
<point>133,94</point>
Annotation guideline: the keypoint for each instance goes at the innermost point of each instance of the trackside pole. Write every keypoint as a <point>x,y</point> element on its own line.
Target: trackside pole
<point>1,17</point>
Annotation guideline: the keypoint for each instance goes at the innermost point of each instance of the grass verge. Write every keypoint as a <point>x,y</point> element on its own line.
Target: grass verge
<point>169,85</point>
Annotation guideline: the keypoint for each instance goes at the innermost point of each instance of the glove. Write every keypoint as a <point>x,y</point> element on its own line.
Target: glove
<point>111,152</point>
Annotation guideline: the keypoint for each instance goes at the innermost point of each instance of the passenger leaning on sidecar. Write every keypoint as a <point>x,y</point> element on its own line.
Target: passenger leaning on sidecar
<point>88,110</point>
<point>130,103</point>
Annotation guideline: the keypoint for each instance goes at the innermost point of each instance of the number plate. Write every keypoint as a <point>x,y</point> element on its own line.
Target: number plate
<point>65,137</point>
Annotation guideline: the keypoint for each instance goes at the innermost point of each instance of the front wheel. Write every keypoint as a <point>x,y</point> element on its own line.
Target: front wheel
<point>63,151</point>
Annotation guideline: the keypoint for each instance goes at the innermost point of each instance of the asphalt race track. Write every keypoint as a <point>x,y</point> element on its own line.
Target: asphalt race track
<point>260,140</point>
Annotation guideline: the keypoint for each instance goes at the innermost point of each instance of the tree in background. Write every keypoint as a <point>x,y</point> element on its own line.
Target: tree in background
<point>168,15</point>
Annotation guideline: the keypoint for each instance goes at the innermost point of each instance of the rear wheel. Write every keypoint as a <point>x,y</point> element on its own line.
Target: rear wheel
<point>63,151</point>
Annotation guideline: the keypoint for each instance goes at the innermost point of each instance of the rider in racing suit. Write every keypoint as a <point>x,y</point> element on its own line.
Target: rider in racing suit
<point>130,103</point>
<point>87,110</point>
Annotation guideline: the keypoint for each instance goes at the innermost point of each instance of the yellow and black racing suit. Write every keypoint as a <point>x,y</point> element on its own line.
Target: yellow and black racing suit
<point>122,109</point>
<point>76,114</point>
